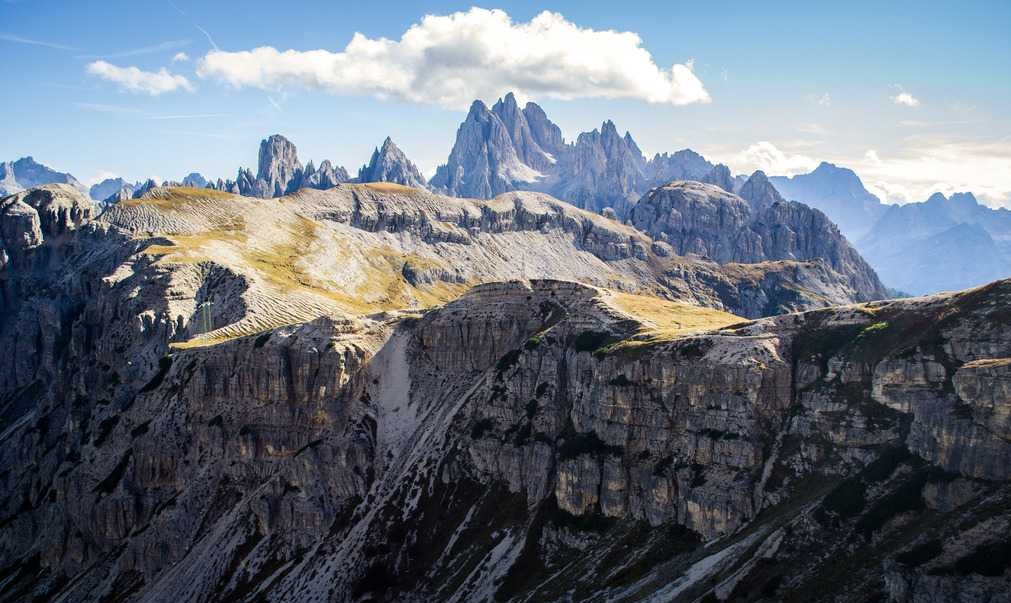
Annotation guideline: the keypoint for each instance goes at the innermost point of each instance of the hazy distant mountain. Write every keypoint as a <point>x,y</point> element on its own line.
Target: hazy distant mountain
<point>839,193</point>
<point>27,173</point>
<point>111,186</point>
<point>940,244</point>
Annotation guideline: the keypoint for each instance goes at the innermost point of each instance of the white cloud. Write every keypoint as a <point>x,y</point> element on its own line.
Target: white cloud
<point>825,100</point>
<point>932,165</point>
<point>99,176</point>
<point>132,79</point>
<point>906,99</point>
<point>772,160</point>
<point>872,156</point>
<point>451,60</point>
<point>180,57</point>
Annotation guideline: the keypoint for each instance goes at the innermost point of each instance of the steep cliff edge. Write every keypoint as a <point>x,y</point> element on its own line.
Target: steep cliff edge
<point>542,440</point>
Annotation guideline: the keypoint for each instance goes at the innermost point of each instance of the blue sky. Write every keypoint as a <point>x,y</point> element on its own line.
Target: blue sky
<point>914,96</point>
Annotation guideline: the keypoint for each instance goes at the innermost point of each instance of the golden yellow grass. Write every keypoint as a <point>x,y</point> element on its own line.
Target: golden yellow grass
<point>665,320</point>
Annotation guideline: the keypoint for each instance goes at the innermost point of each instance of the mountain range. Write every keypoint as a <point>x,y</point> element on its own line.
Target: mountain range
<point>507,148</point>
<point>941,244</point>
<point>375,392</point>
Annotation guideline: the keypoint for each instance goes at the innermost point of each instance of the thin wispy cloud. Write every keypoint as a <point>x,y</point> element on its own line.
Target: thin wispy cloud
<point>135,80</point>
<point>154,48</point>
<point>103,108</point>
<point>207,35</point>
<point>450,60</point>
<point>124,110</point>
<point>32,42</point>
<point>825,100</point>
<point>188,116</point>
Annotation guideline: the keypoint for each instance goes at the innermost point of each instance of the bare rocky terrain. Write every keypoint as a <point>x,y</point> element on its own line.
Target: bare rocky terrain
<point>377,393</point>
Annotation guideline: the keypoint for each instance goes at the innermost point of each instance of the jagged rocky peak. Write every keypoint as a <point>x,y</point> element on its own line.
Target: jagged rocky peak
<point>759,192</point>
<point>278,165</point>
<point>146,186</point>
<point>545,132</point>
<point>390,164</point>
<point>280,172</point>
<point>484,161</point>
<point>602,169</point>
<point>527,147</point>
<point>720,176</point>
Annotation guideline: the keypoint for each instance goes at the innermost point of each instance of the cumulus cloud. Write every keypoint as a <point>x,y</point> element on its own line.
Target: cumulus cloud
<point>772,160</point>
<point>132,79</point>
<point>906,99</point>
<point>452,59</point>
<point>180,57</point>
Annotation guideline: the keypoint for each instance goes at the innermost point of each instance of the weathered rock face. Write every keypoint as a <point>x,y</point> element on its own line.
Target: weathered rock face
<point>485,160</point>
<point>389,164</point>
<point>602,169</point>
<point>685,164</point>
<point>757,191</point>
<point>719,176</point>
<point>521,442</point>
<point>704,220</point>
<point>278,166</point>
<point>532,440</point>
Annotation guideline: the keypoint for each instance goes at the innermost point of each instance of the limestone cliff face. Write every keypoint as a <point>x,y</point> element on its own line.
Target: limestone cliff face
<point>705,220</point>
<point>530,440</point>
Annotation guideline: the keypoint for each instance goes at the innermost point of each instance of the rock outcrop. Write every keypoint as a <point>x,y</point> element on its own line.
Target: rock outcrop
<point>703,220</point>
<point>758,192</point>
<point>719,176</point>
<point>390,164</point>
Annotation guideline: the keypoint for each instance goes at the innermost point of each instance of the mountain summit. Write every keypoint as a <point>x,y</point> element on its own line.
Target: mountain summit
<point>390,164</point>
